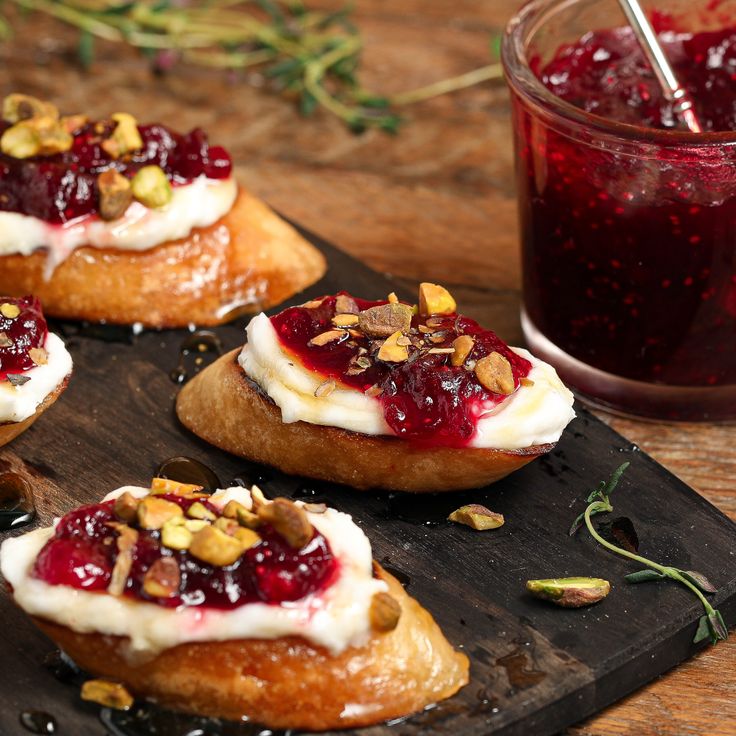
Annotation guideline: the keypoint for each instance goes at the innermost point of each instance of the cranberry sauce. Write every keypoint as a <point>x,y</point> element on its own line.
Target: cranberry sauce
<point>424,399</point>
<point>83,551</point>
<point>63,186</point>
<point>19,333</point>
<point>628,248</point>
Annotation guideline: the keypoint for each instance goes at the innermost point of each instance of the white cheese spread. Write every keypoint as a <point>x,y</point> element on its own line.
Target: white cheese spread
<point>20,402</point>
<point>532,415</point>
<point>197,204</point>
<point>336,617</point>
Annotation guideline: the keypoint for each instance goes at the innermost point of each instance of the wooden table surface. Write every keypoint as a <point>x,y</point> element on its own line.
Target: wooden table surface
<point>435,203</point>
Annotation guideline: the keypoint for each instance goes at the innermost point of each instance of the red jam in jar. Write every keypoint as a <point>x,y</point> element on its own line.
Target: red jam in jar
<point>629,233</point>
<point>62,187</point>
<point>83,551</point>
<point>22,328</point>
<point>424,399</point>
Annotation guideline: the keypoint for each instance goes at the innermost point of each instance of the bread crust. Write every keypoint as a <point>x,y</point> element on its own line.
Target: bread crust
<point>287,682</point>
<point>249,260</point>
<point>224,407</point>
<point>10,430</point>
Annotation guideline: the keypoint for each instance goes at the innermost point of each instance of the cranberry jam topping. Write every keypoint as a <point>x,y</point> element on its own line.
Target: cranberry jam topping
<point>433,371</point>
<point>606,73</point>
<point>50,166</point>
<point>23,333</point>
<point>214,562</point>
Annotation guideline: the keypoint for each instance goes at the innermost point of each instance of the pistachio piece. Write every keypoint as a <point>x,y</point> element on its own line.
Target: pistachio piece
<point>313,303</point>
<point>435,299</point>
<point>115,194</point>
<point>194,525</point>
<point>244,517</point>
<point>385,612</point>
<point>124,138</point>
<point>391,351</point>
<point>385,319</point>
<point>107,693</point>
<point>229,526</point>
<point>163,578</point>
<point>247,537</point>
<point>345,320</point>
<point>126,541</point>
<point>373,391</point>
<point>325,389</point>
<point>326,337</point>
<point>39,356</point>
<point>17,107</point>
<point>288,520</point>
<point>20,141</point>
<point>151,187</point>
<point>570,592</point>
<point>463,346</point>
<point>345,304</point>
<point>477,517</point>
<point>5,340</point>
<point>527,382</point>
<point>392,298</point>
<point>315,508</point>
<point>9,311</point>
<point>213,546</point>
<point>126,507</point>
<point>175,534</point>
<point>199,511</point>
<point>154,512</point>
<point>165,485</point>
<point>257,498</point>
<point>494,373</point>
<point>73,123</point>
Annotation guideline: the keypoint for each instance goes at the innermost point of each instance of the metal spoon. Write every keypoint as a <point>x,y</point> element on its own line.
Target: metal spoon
<point>671,87</point>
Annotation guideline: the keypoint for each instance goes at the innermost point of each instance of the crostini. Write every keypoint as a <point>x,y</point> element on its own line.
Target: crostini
<point>379,395</point>
<point>34,365</point>
<point>233,606</point>
<point>113,221</point>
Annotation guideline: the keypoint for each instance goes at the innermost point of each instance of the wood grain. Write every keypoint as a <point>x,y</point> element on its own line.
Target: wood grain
<point>435,202</point>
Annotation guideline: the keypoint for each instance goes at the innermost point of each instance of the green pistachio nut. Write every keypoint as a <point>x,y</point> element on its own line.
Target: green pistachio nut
<point>20,141</point>
<point>151,187</point>
<point>17,107</point>
<point>477,517</point>
<point>115,194</point>
<point>570,592</point>
<point>124,138</point>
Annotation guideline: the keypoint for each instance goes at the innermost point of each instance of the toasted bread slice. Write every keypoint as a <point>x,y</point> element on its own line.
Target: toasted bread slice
<point>247,261</point>
<point>288,682</point>
<point>224,407</point>
<point>10,430</point>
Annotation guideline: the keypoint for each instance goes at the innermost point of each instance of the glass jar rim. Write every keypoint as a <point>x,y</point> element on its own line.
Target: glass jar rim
<point>525,83</point>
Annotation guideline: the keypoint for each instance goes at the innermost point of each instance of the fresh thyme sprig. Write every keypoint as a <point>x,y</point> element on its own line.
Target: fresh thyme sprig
<point>711,624</point>
<point>312,54</point>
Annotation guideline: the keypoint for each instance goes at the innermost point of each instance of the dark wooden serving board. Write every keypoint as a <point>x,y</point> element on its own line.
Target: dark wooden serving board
<point>535,668</point>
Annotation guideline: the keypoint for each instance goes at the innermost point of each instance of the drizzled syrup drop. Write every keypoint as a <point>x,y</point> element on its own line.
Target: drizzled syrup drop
<point>16,501</point>
<point>199,343</point>
<point>188,470</point>
<point>38,721</point>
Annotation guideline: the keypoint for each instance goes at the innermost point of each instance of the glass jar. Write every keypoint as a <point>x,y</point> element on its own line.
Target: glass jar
<point>628,232</point>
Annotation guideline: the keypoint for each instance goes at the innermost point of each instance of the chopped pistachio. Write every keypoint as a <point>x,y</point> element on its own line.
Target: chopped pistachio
<point>165,485</point>
<point>494,373</point>
<point>477,517</point>
<point>392,298</point>
<point>151,187</point>
<point>257,498</point>
<point>463,346</point>
<point>42,136</point>
<point>345,320</point>
<point>391,351</point>
<point>229,526</point>
<point>244,517</point>
<point>199,511</point>
<point>373,391</point>
<point>20,141</point>
<point>527,382</point>
<point>315,508</point>
<point>325,389</point>
<point>194,525</point>
<point>126,541</point>
<point>313,303</point>
<point>175,535</point>
<point>288,520</point>
<point>17,107</point>
<point>115,194</point>
<point>385,319</point>
<point>247,537</point>
<point>5,340</point>
<point>72,123</point>
<point>570,592</point>
<point>213,546</point>
<point>345,304</point>
<point>154,512</point>
<point>39,356</point>
<point>435,299</point>
<point>385,612</point>
<point>126,507</point>
<point>107,693</point>
<point>326,337</point>
<point>163,578</point>
<point>9,311</point>
<point>125,137</point>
